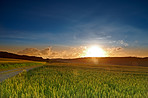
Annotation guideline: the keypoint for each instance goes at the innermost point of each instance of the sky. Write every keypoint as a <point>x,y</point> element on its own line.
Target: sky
<point>61,27</point>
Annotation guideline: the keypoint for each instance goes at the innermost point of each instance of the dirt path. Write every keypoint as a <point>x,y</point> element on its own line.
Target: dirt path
<point>10,73</point>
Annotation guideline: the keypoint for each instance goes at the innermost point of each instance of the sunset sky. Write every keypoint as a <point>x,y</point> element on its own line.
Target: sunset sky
<point>65,28</point>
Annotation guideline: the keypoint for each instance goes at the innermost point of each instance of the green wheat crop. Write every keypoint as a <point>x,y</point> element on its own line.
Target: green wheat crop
<point>16,65</point>
<point>6,63</point>
<point>76,82</point>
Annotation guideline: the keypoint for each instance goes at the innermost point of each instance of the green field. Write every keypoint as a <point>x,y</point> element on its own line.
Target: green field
<point>78,81</point>
<point>17,65</point>
<point>6,64</point>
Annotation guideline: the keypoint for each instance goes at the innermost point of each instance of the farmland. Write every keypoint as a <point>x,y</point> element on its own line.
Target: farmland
<point>6,63</point>
<point>77,81</point>
<point>11,67</point>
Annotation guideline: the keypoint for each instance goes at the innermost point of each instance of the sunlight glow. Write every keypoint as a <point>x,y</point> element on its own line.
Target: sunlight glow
<point>95,51</point>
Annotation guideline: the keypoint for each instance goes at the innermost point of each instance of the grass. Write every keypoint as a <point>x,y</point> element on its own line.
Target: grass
<point>6,64</point>
<point>78,81</point>
<point>17,65</point>
<point>6,60</point>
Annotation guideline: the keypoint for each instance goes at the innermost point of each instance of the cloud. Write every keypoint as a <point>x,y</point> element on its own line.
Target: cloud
<point>122,43</point>
<point>66,52</point>
<point>51,52</point>
<point>114,51</point>
<point>30,52</point>
<point>119,43</point>
<point>119,48</point>
<point>45,53</point>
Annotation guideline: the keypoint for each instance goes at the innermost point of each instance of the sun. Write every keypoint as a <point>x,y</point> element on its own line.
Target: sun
<point>95,51</point>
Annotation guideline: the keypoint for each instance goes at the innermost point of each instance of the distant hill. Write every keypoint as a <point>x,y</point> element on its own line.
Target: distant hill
<point>15,56</point>
<point>131,61</point>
